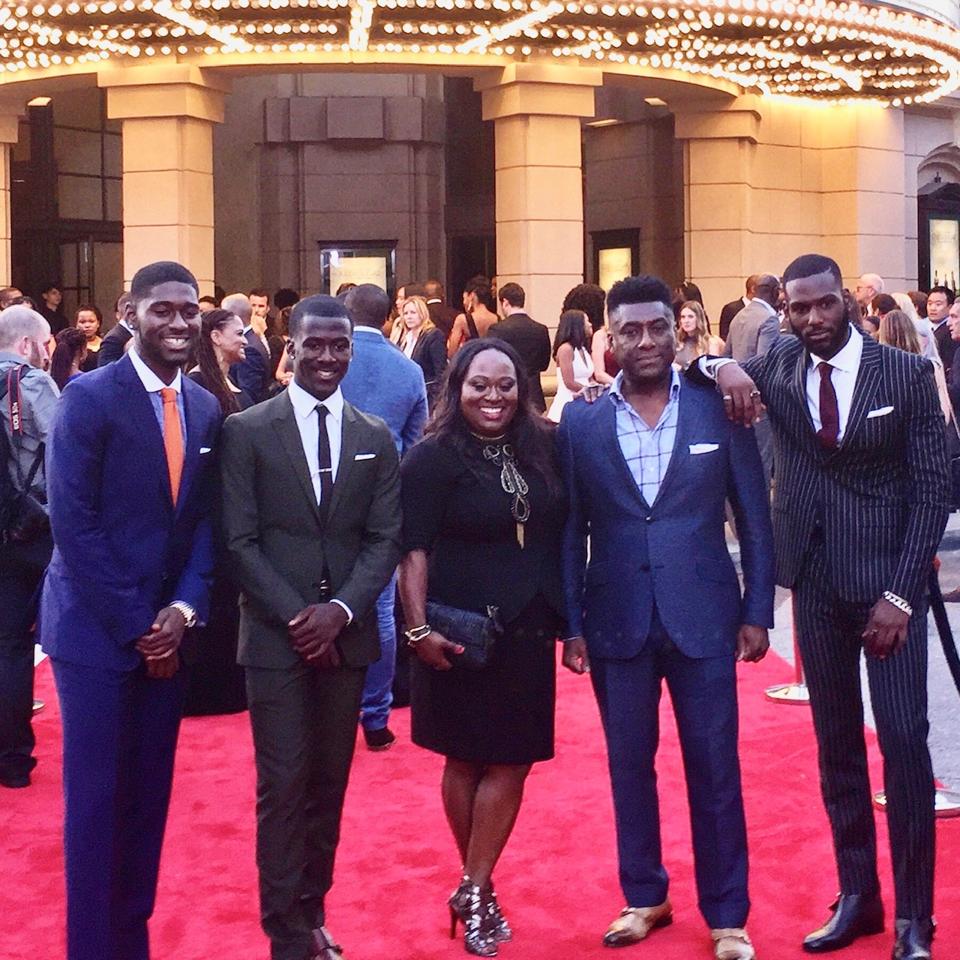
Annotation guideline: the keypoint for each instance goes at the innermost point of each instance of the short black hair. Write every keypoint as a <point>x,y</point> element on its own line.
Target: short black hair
<point>259,292</point>
<point>884,303</point>
<point>810,265</point>
<point>90,308</point>
<point>285,297</point>
<point>589,298</point>
<point>319,305</point>
<point>940,288</point>
<point>641,289</point>
<point>208,299</point>
<point>368,305</point>
<point>47,287</point>
<point>513,293</point>
<point>163,271</point>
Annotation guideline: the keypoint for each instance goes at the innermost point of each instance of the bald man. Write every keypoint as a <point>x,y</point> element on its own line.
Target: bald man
<point>23,357</point>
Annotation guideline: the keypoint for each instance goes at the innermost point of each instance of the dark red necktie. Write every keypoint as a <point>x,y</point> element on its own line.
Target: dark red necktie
<point>829,432</point>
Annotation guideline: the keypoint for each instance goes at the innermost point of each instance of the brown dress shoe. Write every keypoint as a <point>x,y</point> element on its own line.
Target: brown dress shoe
<point>635,923</point>
<point>732,943</point>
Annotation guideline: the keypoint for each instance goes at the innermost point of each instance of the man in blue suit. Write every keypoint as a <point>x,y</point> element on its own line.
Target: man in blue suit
<point>382,381</point>
<point>648,468</point>
<point>129,466</point>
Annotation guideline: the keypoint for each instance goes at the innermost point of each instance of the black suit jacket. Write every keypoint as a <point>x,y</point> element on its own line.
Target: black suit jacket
<point>430,354</point>
<point>442,315</point>
<point>880,497</point>
<point>112,345</point>
<point>947,347</point>
<point>532,341</point>
<point>280,541</point>
<point>254,374</point>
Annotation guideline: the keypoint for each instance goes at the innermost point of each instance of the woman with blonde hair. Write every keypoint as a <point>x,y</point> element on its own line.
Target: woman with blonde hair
<point>693,335</point>
<point>898,330</point>
<point>422,342</point>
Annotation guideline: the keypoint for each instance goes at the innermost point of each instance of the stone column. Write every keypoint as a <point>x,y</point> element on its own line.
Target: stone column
<point>168,113</point>
<point>766,181</point>
<point>539,177</point>
<point>9,134</point>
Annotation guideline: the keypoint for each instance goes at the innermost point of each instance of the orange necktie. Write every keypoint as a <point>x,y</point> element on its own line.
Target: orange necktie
<point>172,439</point>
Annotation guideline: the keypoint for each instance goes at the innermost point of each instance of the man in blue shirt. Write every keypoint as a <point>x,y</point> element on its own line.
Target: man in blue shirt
<point>385,383</point>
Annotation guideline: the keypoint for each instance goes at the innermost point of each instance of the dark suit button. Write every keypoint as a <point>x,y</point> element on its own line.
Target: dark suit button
<point>644,567</point>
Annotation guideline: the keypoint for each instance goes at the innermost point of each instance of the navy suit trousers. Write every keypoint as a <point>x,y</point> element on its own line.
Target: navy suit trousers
<point>119,737</point>
<point>704,696</point>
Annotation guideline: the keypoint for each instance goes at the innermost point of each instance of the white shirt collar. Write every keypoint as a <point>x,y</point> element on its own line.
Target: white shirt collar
<point>616,388</point>
<point>151,382</point>
<point>305,403</point>
<point>848,357</point>
<point>360,328</point>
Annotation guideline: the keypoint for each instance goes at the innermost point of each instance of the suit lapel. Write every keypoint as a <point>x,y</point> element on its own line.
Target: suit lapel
<point>681,449</point>
<point>286,422</point>
<point>191,453</point>
<point>349,447</point>
<point>798,386</point>
<point>864,392</point>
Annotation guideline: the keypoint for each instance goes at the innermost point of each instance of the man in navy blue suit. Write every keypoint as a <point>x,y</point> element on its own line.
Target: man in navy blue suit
<point>382,381</point>
<point>648,468</point>
<point>129,463</point>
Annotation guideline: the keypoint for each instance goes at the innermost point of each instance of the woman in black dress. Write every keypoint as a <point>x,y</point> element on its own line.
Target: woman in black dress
<point>483,516</point>
<point>215,683</point>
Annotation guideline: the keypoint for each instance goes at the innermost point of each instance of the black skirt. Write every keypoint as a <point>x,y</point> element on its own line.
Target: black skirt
<point>501,714</point>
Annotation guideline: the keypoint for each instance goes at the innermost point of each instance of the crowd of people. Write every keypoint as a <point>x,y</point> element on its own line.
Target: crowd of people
<point>245,494</point>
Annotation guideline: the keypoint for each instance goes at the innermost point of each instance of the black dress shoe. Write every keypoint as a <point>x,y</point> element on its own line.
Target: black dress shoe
<point>15,779</point>
<point>913,939</point>
<point>382,739</point>
<point>854,915</point>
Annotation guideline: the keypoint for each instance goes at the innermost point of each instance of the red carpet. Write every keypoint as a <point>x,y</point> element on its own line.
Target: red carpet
<point>557,880</point>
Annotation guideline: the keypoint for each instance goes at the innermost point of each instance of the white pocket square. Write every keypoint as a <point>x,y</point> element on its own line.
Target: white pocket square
<point>365,456</point>
<point>696,448</point>
<point>205,449</point>
<point>879,412</point>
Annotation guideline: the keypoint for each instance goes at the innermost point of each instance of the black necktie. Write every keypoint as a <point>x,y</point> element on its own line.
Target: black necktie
<point>324,460</point>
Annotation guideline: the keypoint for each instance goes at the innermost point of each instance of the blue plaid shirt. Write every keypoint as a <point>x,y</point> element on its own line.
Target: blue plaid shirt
<point>647,451</point>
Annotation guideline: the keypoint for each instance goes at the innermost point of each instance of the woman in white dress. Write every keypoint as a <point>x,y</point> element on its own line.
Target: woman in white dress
<point>571,351</point>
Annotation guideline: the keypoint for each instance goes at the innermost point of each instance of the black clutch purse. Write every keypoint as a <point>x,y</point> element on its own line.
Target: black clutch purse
<point>475,632</point>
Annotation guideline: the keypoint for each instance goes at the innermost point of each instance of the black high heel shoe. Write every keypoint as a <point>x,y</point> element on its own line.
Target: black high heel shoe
<point>473,907</point>
<point>501,929</point>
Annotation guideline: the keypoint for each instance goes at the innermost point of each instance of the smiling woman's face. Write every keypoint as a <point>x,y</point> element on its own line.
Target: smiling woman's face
<point>489,395</point>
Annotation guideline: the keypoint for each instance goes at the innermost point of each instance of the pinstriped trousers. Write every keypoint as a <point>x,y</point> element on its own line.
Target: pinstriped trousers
<point>829,631</point>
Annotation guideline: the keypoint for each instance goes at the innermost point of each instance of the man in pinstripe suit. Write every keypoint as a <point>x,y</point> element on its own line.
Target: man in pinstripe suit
<point>859,510</point>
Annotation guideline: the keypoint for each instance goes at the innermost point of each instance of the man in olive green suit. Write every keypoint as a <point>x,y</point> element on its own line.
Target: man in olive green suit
<point>311,513</point>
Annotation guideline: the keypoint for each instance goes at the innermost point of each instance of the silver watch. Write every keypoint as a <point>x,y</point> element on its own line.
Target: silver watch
<point>189,614</point>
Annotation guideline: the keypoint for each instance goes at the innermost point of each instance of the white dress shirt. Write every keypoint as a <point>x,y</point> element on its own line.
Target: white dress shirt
<point>308,424</point>
<point>305,409</point>
<point>846,366</point>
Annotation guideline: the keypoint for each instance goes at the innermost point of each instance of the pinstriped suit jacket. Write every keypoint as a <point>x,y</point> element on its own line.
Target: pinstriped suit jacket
<point>882,496</point>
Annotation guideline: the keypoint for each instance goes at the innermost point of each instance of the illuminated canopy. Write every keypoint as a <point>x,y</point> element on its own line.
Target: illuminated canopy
<point>898,53</point>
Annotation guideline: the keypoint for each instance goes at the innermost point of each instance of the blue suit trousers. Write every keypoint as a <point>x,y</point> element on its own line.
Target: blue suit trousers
<point>119,737</point>
<point>704,696</point>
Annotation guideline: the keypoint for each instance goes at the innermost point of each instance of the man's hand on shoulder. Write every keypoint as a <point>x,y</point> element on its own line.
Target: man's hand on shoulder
<point>314,630</point>
<point>741,398</point>
<point>886,631</point>
<point>575,656</point>
<point>592,392</point>
<point>752,643</point>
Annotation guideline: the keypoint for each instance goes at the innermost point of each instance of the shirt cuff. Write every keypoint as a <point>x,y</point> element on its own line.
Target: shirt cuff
<point>345,608</point>
<point>710,365</point>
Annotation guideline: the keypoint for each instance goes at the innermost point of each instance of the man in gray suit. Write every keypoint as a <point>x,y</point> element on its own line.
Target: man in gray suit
<point>313,525</point>
<point>752,332</point>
